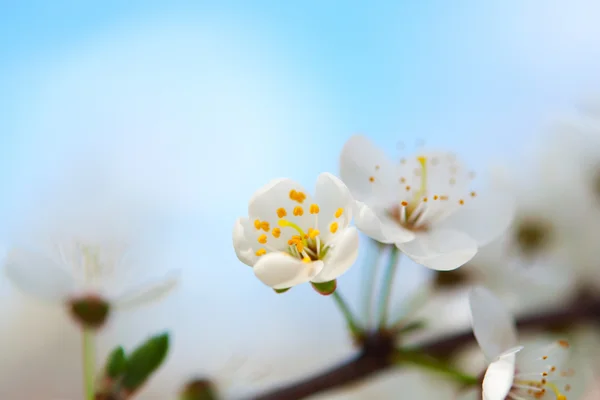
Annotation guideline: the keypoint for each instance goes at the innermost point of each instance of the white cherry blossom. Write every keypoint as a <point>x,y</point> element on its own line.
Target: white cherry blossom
<point>69,269</point>
<point>517,372</point>
<point>290,237</point>
<point>423,204</point>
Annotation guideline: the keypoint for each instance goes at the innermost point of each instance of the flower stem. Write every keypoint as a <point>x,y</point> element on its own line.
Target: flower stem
<point>370,273</point>
<point>345,309</point>
<point>388,281</point>
<point>89,362</point>
<point>433,364</point>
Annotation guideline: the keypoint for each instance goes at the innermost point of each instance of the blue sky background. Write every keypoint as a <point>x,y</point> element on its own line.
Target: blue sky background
<point>188,108</point>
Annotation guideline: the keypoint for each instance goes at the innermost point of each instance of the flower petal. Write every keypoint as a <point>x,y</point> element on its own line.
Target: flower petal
<point>274,195</point>
<point>493,325</point>
<point>368,172</point>
<point>281,271</point>
<point>484,217</point>
<point>440,249</point>
<point>499,376</point>
<point>38,275</point>
<point>241,244</point>
<point>380,227</point>
<point>148,293</point>
<point>332,195</point>
<point>341,256</point>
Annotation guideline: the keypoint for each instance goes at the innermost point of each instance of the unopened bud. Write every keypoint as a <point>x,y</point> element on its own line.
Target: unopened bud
<point>90,311</point>
<point>199,389</point>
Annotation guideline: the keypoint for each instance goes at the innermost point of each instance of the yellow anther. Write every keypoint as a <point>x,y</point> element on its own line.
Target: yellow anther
<point>408,188</point>
<point>313,233</point>
<point>435,197</point>
<point>261,252</point>
<point>314,209</point>
<point>473,194</point>
<point>461,202</point>
<point>297,196</point>
<point>443,197</point>
<point>333,227</point>
<point>257,223</point>
<point>281,212</point>
<point>276,232</point>
<point>339,212</point>
<point>404,203</point>
<point>293,194</point>
<point>262,239</point>
<point>298,211</point>
<point>371,179</point>
<point>402,180</point>
<point>306,259</point>
<point>300,247</point>
<point>422,160</point>
<point>265,226</point>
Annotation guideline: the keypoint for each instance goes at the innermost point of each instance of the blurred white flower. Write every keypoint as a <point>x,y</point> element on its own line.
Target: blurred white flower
<point>423,204</point>
<point>72,270</point>
<point>570,171</point>
<point>291,238</point>
<point>517,372</point>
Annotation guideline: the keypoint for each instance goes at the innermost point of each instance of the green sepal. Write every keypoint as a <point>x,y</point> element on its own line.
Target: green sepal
<point>144,361</point>
<point>279,291</point>
<point>325,288</point>
<point>116,363</point>
<point>199,389</point>
<point>90,311</point>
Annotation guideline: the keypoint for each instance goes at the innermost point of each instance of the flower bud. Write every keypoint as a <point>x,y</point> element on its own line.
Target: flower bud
<point>199,389</point>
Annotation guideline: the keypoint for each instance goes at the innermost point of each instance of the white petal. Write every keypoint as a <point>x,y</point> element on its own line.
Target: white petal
<point>276,195</point>
<point>341,256</point>
<point>499,377</point>
<point>368,172</point>
<point>440,249</point>
<point>38,275</point>
<point>241,244</point>
<point>331,195</point>
<point>484,217</point>
<point>493,325</point>
<point>281,271</point>
<point>148,293</point>
<point>379,226</point>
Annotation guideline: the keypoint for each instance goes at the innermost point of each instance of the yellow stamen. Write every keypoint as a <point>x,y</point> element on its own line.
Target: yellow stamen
<point>306,259</point>
<point>276,232</point>
<point>298,211</point>
<point>313,233</point>
<point>281,212</point>
<point>314,209</point>
<point>265,226</point>
<point>339,212</point>
<point>333,227</point>
<point>261,252</point>
<point>257,223</point>
<point>262,239</point>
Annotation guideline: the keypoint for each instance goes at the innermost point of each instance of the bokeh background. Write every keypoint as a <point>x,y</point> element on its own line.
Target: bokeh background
<point>186,108</point>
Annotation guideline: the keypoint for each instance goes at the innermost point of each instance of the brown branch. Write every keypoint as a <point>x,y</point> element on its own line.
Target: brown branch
<point>377,350</point>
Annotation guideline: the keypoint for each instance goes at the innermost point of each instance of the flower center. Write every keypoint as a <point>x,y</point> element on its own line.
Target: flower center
<point>532,235</point>
<point>551,382</point>
<point>304,244</point>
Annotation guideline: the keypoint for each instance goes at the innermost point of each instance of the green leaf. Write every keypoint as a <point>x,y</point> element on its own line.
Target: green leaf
<point>116,363</point>
<point>325,288</point>
<point>281,290</point>
<point>144,361</point>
